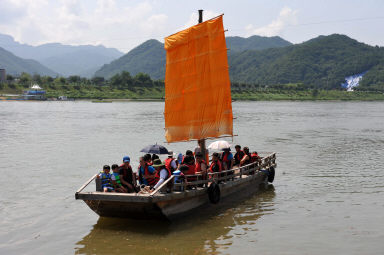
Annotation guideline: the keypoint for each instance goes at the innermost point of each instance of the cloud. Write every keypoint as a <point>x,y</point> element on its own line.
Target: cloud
<point>114,23</point>
<point>286,17</point>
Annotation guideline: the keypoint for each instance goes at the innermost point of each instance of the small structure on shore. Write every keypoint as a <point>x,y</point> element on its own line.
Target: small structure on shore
<point>34,93</point>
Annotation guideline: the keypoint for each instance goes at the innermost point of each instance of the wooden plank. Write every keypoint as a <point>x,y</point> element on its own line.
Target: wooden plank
<point>162,185</point>
<point>86,184</point>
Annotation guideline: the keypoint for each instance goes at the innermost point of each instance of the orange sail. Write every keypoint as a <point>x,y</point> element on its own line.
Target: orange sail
<point>197,86</point>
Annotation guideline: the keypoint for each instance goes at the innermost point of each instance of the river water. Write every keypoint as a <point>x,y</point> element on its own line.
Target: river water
<point>327,198</point>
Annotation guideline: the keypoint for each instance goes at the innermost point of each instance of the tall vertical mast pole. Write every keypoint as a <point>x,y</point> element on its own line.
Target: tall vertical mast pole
<point>201,142</point>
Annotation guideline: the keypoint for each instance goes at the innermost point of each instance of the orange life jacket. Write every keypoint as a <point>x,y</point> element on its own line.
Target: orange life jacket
<point>213,164</point>
<point>254,157</point>
<point>224,159</point>
<point>158,174</point>
<point>198,166</point>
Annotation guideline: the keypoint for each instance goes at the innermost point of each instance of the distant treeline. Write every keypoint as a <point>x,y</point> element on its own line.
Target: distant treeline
<point>124,81</point>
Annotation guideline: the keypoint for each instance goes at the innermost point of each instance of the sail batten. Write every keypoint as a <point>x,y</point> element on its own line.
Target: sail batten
<point>197,86</point>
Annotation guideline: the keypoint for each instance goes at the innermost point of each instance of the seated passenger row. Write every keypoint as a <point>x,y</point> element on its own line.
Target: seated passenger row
<point>152,172</point>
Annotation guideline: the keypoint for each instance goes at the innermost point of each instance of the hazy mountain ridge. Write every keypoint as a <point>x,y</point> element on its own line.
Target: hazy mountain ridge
<point>15,65</point>
<point>64,59</point>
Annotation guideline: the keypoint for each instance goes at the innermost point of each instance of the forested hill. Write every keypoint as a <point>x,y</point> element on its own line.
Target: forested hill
<point>255,42</point>
<point>322,62</point>
<point>15,65</point>
<point>149,57</point>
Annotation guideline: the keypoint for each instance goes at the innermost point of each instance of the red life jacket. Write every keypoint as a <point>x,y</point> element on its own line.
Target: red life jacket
<point>158,174</point>
<point>191,170</point>
<point>213,164</point>
<point>168,165</point>
<point>224,159</point>
<point>248,161</point>
<point>254,157</point>
<point>151,180</point>
<point>198,166</point>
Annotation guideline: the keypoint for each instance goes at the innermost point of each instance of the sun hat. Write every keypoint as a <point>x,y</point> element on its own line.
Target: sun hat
<point>126,159</point>
<point>170,153</point>
<point>157,163</point>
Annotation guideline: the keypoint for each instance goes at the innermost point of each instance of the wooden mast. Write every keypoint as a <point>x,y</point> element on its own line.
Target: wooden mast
<point>201,142</point>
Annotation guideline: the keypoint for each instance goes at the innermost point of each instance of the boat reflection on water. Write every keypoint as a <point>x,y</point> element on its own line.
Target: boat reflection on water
<point>206,231</point>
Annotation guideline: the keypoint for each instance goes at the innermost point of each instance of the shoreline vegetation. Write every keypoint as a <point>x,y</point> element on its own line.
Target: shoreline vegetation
<point>124,87</point>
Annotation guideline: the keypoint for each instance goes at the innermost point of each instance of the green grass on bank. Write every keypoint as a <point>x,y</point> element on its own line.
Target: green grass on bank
<point>157,93</point>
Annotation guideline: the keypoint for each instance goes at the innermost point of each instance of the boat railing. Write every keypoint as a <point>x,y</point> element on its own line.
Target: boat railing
<point>226,175</point>
<point>202,180</point>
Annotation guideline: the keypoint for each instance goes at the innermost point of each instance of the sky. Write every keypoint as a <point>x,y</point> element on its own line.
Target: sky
<point>124,24</point>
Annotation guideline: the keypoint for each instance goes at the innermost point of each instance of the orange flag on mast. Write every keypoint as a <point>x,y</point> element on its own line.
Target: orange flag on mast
<point>197,86</point>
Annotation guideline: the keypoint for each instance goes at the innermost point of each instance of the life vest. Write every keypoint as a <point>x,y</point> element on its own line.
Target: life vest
<point>117,177</point>
<point>254,157</point>
<point>158,174</point>
<point>198,166</point>
<point>191,170</point>
<point>151,180</point>
<point>248,161</point>
<point>213,164</point>
<point>239,156</point>
<point>224,159</point>
<point>106,181</point>
<point>168,164</point>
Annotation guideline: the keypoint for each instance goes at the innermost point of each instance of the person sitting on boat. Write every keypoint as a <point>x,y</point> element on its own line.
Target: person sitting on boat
<point>187,153</point>
<point>127,177</point>
<point>255,157</point>
<point>201,166</point>
<point>106,181</point>
<point>147,174</point>
<point>189,161</point>
<point>162,173</point>
<point>226,159</point>
<point>216,165</point>
<point>246,158</point>
<point>170,162</point>
<point>179,159</point>
<point>180,176</point>
<point>154,156</point>
<point>116,181</point>
<point>148,159</point>
<point>238,156</point>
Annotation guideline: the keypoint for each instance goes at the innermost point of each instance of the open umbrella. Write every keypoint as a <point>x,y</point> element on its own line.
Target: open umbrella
<point>219,145</point>
<point>155,148</point>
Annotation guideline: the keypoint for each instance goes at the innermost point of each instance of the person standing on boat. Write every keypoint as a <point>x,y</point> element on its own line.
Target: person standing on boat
<point>170,162</point>
<point>239,155</point>
<point>162,173</point>
<point>127,177</point>
<point>147,174</point>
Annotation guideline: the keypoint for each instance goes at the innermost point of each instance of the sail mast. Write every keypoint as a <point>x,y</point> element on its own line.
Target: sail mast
<point>201,142</point>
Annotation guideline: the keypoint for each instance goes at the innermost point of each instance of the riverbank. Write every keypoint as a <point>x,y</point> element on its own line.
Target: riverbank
<point>157,93</point>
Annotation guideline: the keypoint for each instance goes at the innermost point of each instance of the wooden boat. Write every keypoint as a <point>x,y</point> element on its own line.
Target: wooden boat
<point>198,106</point>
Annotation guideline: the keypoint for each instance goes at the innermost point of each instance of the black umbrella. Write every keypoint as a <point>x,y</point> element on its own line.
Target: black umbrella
<point>156,149</point>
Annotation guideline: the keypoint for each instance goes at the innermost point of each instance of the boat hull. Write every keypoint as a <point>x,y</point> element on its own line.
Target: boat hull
<point>171,205</point>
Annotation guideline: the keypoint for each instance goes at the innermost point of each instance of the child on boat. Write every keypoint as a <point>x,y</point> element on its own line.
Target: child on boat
<point>106,182</point>
<point>115,177</point>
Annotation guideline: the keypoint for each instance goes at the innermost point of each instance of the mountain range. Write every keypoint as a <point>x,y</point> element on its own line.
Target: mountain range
<point>149,57</point>
<point>65,60</point>
<point>321,62</point>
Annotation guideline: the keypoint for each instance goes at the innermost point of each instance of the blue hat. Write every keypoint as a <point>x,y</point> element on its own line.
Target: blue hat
<point>126,159</point>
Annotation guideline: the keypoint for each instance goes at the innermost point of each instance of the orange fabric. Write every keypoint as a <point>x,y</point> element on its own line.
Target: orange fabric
<point>197,86</point>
